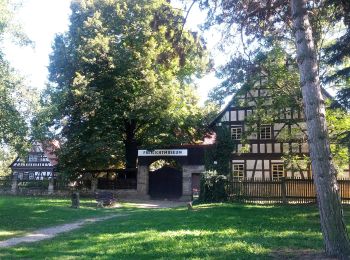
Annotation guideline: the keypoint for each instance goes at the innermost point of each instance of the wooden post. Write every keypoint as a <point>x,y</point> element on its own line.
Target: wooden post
<point>283,190</point>
<point>14,185</point>
<point>94,183</point>
<point>50,189</point>
<point>75,200</point>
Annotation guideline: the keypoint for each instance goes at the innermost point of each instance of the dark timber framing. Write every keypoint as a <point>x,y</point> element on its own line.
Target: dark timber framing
<point>35,166</point>
<point>263,152</point>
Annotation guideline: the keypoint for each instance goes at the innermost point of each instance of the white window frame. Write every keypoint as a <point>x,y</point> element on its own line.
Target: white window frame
<point>238,171</point>
<point>277,171</point>
<point>263,132</point>
<point>236,132</point>
<point>32,158</point>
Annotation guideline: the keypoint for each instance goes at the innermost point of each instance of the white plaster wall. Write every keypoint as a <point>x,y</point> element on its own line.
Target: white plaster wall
<point>225,117</point>
<point>241,115</point>
<point>258,175</point>
<point>259,164</point>
<point>266,164</point>
<point>277,147</point>
<point>276,161</point>
<point>237,161</point>
<point>269,148</point>
<point>278,126</point>
<point>262,148</point>
<point>233,116</point>
<point>250,164</point>
<point>249,174</point>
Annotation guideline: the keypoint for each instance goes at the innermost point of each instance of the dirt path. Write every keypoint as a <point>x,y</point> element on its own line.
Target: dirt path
<point>154,204</point>
<point>47,233</point>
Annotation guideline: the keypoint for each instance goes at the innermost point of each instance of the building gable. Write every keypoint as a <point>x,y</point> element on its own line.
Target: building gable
<point>35,166</point>
<point>261,154</point>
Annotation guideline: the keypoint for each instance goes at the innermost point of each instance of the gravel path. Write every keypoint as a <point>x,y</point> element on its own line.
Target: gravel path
<point>47,233</point>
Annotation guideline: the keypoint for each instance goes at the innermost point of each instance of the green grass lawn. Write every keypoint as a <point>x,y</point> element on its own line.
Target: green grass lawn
<point>224,231</point>
<point>19,215</point>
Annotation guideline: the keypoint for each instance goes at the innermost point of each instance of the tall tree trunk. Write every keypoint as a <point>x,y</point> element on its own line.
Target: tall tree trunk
<point>334,231</point>
<point>130,144</point>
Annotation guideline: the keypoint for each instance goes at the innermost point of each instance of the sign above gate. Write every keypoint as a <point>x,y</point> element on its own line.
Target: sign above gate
<point>163,152</point>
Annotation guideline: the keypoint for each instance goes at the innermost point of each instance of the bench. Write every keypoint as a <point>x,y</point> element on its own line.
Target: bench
<point>105,198</point>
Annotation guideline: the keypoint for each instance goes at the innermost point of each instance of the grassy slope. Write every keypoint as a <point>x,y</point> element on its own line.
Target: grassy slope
<point>19,215</point>
<point>226,231</point>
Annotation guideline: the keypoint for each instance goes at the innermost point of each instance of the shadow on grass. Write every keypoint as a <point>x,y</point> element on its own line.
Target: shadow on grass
<point>19,215</point>
<point>225,231</point>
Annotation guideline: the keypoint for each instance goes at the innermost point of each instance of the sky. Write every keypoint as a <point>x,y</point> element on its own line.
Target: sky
<point>43,19</point>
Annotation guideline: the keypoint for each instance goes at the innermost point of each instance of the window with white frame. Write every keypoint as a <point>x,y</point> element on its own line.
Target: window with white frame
<point>238,171</point>
<point>277,171</point>
<point>236,132</point>
<point>33,158</point>
<point>265,132</point>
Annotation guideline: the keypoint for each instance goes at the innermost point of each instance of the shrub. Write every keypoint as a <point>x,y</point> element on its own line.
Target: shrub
<point>213,187</point>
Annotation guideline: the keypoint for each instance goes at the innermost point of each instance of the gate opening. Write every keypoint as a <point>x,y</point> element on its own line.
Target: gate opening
<point>165,180</point>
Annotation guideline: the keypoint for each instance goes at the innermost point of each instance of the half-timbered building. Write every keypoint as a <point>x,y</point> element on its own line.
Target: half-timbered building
<point>38,165</point>
<point>260,148</point>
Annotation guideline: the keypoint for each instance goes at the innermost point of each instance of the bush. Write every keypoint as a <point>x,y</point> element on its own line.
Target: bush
<point>34,184</point>
<point>213,187</point>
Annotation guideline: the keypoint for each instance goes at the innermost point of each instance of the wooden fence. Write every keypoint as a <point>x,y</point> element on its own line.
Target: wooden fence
<point>281,191</point>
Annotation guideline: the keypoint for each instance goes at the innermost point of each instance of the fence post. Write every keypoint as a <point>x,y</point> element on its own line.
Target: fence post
<point>283,189</point>
<point>50,189</point>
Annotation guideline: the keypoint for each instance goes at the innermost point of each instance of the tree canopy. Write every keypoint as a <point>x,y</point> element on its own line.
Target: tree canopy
<point>121,77</point>
<point>13,128</point>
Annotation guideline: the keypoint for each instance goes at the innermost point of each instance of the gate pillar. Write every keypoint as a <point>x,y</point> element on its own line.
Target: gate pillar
<point>143,181</point>
<point>187,171</point>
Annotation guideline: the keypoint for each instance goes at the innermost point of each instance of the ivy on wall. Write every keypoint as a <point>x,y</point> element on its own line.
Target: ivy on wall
<point>218,164</point>
<point>218,157</point>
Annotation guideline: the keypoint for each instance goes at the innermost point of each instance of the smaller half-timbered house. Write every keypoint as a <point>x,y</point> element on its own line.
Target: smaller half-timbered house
<point>38,165</point>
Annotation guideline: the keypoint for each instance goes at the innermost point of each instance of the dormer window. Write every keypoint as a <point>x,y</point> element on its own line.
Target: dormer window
<point>236,132</point>
<point>265,132</point>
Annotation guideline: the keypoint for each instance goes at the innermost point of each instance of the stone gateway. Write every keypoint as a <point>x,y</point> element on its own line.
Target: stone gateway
<point>190,160</point>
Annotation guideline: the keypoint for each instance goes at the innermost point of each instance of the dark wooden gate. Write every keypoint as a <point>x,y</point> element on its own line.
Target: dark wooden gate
<point>165,182</point>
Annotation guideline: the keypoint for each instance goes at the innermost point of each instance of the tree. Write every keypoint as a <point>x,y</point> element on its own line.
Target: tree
<point>272,18</point>
<point>13,128</point>
<point>338,53</point>
<point>121,77</point>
